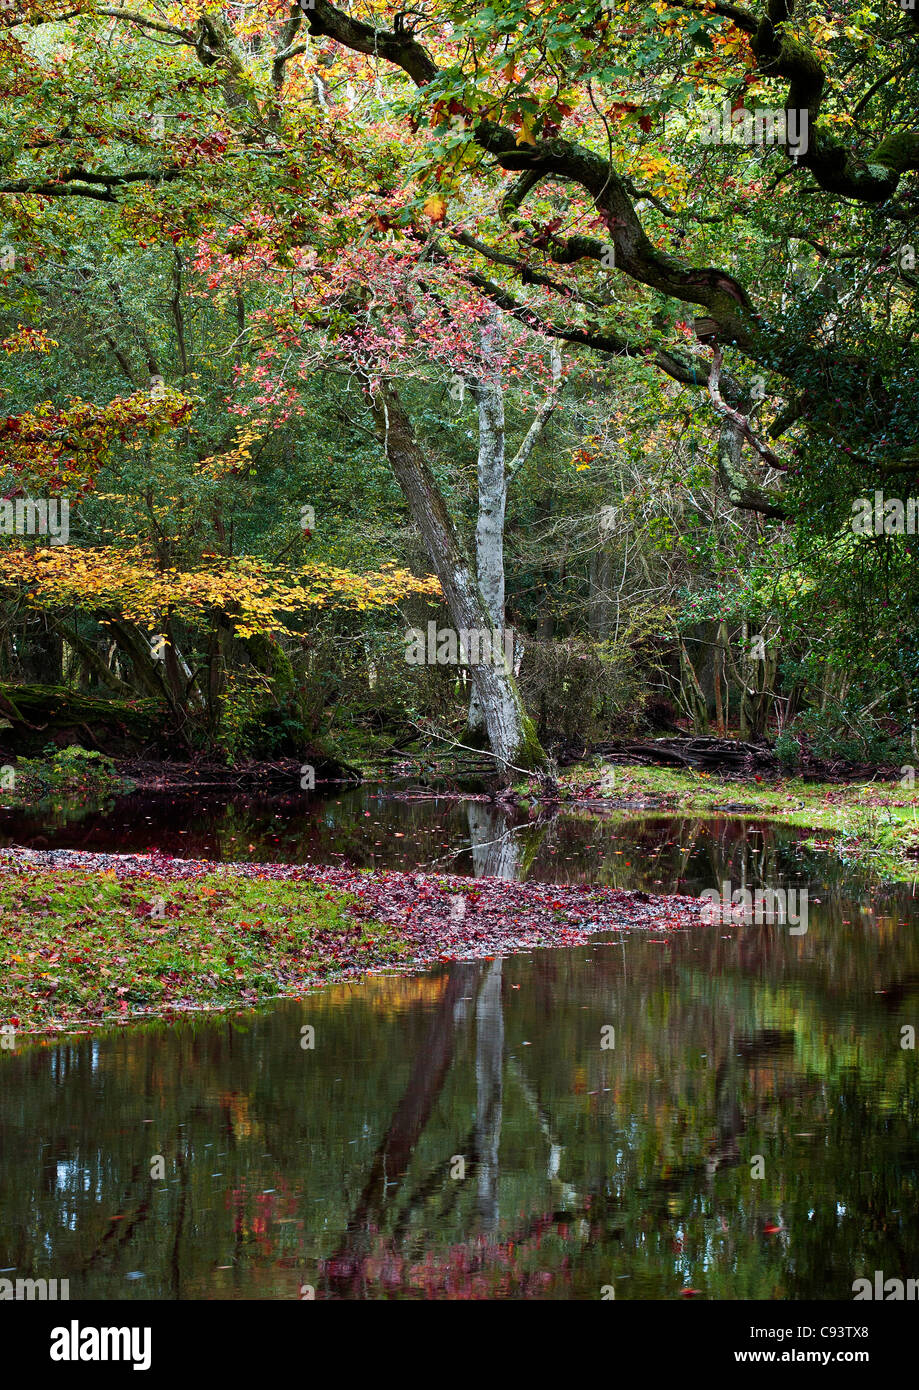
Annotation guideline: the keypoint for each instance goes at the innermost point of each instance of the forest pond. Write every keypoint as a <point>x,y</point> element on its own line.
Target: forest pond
<point>462,1133</point>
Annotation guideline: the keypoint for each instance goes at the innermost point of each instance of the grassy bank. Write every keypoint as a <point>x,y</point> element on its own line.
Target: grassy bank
<point>861,821</point>
<point>92,947</point>
<point>93,939</point>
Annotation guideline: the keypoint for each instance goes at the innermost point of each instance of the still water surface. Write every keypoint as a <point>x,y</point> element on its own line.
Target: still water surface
<point>462,1133</point>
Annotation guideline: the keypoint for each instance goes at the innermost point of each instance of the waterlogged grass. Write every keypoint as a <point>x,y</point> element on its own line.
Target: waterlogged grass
<point>91,947</point>
<point>869,821</point>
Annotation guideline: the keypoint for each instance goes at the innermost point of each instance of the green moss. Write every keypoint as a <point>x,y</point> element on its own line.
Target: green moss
<point>529,752</point>
<point>33,715</point>
<point>897,151</point>
<point>82,947</point>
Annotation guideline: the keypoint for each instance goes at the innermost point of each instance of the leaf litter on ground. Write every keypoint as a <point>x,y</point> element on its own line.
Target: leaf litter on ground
<point>97,938</point>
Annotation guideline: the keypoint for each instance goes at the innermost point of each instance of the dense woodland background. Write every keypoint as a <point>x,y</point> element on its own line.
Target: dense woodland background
<point>333,322</point>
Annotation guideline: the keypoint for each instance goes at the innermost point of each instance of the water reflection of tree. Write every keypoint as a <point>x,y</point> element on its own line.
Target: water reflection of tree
<point>493,840</point>
<point>730,1041</point>
<point>504,846</point>
<point>345,1272</point>
<point>489,1077</point>
<point>486,1261</point>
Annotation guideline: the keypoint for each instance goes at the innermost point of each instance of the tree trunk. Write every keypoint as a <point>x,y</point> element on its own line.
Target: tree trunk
<point>148,675</point>
<point>489,531</point>
<point>92,661</point>
<point>599,603</point>
<point>746,670</point>
<point>511,734</point>
<point>495,475</point>
<point>693,693</point>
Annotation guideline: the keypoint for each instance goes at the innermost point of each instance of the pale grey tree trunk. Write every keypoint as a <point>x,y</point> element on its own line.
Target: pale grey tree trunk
<point>489,1093</point>
<point>600,591</point>
<point>489,531</point>
<point>494,478</point>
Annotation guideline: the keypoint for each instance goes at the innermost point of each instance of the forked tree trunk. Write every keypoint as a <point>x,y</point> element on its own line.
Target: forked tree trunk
<point>510,732</point>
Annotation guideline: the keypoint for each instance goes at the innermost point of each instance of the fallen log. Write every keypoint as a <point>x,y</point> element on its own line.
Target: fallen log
<point>37,715</point>
<point>703,753</point>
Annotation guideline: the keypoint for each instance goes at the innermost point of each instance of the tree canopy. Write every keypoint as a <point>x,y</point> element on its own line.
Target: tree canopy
<point>254,256</point>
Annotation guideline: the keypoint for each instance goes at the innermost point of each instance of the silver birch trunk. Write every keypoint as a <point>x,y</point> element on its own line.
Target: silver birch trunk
<point>489,531</point>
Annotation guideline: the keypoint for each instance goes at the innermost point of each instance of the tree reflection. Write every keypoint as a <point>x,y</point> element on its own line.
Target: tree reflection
<point>584,1166</point>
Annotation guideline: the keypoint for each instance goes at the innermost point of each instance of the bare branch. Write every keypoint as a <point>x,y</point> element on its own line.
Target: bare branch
<point>739,420</point>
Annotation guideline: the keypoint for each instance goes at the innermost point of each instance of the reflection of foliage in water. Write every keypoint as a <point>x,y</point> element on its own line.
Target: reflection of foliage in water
<point>629,1166</point>
<point>65,786</point>
<point>367,828</point>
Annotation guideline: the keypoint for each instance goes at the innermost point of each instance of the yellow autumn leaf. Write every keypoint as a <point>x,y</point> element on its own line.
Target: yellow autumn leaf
<point>526,132</point>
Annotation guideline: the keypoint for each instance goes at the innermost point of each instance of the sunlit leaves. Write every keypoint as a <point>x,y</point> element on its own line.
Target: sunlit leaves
<point>64,447</point>
<point>254,596</point>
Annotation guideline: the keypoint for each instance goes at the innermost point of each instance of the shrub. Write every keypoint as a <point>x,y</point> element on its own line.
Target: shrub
<point>788,749</point>
<point>581,692</point>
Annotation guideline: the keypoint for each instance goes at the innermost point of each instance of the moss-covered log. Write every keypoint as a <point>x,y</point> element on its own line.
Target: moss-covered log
<point>32,716</point>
